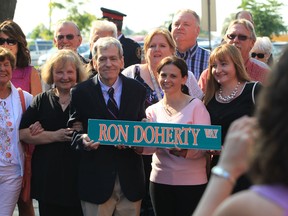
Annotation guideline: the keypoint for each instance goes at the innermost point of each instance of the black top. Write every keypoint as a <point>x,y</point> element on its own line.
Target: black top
<point>224,114</point>
<point>98,168</point>
<point>54,165</point>
<point>131,51</point>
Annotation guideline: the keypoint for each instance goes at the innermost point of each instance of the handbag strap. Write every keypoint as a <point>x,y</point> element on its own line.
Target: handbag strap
<point>21,95</point>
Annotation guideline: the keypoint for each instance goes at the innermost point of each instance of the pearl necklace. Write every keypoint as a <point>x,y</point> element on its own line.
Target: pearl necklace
<point>230,97</point>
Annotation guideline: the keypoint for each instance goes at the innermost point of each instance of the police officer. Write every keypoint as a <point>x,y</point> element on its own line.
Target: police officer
<point>132,50</point>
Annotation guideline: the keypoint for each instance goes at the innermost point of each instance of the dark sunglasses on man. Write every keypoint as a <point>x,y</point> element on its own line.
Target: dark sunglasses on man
<point>259,55</point>
<point>240,37</point>
<point>68,37</point>
<point>9,41</point>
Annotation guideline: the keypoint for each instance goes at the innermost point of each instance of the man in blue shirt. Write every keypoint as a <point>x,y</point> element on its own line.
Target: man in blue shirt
<point>185,30</point>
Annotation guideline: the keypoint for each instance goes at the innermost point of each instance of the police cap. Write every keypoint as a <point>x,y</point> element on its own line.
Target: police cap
<point>112,14</point>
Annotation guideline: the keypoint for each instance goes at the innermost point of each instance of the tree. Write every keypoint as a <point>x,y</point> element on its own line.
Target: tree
<point>7,9</point>
<point>267,20</point>
<point>41,32</point>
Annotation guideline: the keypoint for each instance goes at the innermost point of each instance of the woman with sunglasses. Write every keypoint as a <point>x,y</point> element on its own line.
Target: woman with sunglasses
<point>13,38</point>
<point>262,50</point>
<point>11,151</point>
<point>229,93</point>
<point>24,76</point>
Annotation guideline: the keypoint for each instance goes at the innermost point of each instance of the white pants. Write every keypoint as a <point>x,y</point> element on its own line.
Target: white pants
<point>10,188</point>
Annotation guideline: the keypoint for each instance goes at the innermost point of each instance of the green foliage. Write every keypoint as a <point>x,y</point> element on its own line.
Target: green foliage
<point>41,32</point>
<point>266,16</point>
<point>74,13</point>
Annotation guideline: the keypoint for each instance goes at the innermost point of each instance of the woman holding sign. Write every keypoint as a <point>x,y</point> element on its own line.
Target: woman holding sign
<point>158,44</point>
<point>178,176</point>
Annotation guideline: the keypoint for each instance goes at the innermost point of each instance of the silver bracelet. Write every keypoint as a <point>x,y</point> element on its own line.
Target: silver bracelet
<point>220,172</point>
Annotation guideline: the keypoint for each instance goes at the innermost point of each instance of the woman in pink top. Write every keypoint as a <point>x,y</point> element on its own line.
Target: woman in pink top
<point>178,177</point>
<point>24,75</point>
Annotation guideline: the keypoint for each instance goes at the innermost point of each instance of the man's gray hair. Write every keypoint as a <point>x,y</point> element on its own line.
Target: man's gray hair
<point>106,42</point>
<point>103,25</point>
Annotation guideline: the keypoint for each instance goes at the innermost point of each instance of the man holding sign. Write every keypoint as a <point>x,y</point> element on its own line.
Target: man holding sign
<point>111,179</point>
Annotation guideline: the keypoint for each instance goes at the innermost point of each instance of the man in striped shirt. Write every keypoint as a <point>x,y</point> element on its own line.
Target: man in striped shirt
<point>185,30</point>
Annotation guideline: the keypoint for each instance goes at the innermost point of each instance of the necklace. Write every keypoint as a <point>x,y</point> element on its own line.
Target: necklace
<point>230,97</point>
<point>65,102</point>
<point>167,110</point>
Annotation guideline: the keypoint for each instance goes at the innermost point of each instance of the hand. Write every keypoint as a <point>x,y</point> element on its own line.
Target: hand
<point>138,150</point>
<point>178,152</point>
<point>88,143</point>
<point>120,146</point>
<point>146,120</point>
<point>213,152</point>
<point>63,135</point>
<point>77,126</point>
<point>35,128</point>
<point>238,145</point>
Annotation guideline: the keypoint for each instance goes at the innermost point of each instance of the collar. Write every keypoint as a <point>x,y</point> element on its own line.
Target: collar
<point>116,85</point>
<point>189,52</point>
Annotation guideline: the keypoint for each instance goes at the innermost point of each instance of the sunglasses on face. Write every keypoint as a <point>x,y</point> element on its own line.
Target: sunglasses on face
<point>9,41</point>
<point>68,37</point>
<point>259,55</point>
<point>240,37</point>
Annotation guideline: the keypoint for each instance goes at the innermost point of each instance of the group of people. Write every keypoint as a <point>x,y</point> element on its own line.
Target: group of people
<point>178,82</point>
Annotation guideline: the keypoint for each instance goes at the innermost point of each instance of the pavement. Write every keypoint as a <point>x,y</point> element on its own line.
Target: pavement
<point>35,204</point>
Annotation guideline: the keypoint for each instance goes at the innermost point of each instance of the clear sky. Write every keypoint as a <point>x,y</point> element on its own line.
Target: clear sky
<point>141,15</point>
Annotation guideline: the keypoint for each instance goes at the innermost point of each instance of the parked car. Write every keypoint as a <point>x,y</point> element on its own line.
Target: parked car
<point>278,48</point>
<point>204,43</point>
<point>37,48</point>
<point>83,48</point>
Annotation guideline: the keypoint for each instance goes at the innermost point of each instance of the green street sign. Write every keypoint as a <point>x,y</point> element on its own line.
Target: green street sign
<point>152,134</point>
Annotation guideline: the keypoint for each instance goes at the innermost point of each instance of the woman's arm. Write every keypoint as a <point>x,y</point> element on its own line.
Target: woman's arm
<point>45,137</point>
<point>35,82</point>
<point>233,162</point>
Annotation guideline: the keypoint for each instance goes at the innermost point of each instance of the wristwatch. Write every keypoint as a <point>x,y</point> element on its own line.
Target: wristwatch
<point>220,172</point>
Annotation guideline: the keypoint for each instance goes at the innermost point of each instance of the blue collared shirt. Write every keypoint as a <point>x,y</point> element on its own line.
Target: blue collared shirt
<point>196,59</point>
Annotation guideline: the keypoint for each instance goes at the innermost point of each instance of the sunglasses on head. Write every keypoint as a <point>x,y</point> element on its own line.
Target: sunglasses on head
<point>259,55</point>
<point>68,37</point>
<point>9,41</point>
<point>240,37</point>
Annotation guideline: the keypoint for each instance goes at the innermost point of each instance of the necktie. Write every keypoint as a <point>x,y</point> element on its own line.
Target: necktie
<point>111,104</point>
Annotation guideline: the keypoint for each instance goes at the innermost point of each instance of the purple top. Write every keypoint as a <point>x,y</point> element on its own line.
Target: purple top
<point>276,193</point>
<point>21,78</point>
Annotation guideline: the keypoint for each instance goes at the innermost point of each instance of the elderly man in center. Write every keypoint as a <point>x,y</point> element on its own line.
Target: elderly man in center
<point>111,179</point>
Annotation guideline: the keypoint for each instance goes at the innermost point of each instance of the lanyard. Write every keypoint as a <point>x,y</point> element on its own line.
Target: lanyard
<point>155,85</point>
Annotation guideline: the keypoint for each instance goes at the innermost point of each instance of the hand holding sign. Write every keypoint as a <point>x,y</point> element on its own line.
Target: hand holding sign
<point>88,143</point>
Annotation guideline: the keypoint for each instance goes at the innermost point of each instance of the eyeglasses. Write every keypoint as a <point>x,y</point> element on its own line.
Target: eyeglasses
<point>9,41</point>
<point>240,37</point>
<point>259,55</point>
<point>68,37</point>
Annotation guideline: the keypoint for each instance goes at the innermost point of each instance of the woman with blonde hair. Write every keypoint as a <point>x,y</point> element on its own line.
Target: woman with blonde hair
<point>54,163</point>
<point>229,93</point>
